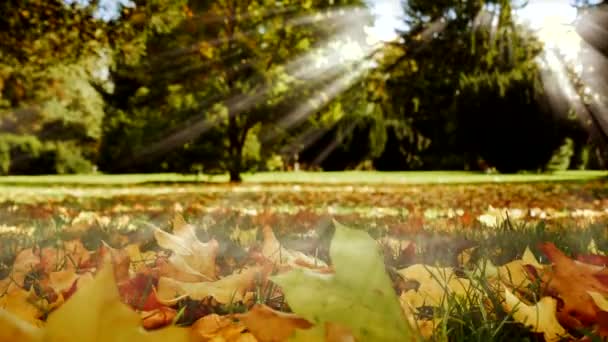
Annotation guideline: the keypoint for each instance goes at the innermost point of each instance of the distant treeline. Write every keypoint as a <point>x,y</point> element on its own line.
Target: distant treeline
<point>232,86</point>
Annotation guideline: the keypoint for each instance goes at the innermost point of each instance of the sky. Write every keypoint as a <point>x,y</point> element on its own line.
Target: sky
<point>553,20</point>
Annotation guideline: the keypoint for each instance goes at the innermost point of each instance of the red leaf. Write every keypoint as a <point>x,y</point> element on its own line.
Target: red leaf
<point>593,259</point>
<point>138,292</point>
<point>69,292</point>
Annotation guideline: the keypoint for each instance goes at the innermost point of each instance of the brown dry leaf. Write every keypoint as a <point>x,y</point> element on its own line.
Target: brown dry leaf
<point>190,255</point>
<point>218,328</point>
<point>571,282</point>
<point>269,325</point>
<point>434,284</point>
<point>274,252</point>
<point>541,317</point>
<point>226,290</point>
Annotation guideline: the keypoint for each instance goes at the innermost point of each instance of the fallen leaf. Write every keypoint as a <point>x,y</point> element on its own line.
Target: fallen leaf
<point>20,303</point>
<point>435,283</point>
<point>464,257</point>
<point>69,255</point>
<point>592,248</point>
<point>220,328</point>
<point>14,329</point>
<point>571,282</point>
<point>359,298</point>
<point>95,313</point>
<point>269,325</point>
<point>593,259</point>
<point>600,301</point>
<point>61,281</point>
<point>25,262</point>
<point>138,292</point>
<point>226,290</point>
<point>540,318</point>
<point>512,274</point>
<point>157,318</point>
<point>189,250</point>
<point>119,258</point>
<point>140,261</point>
<point>528,258</point>
<point>273,251</point>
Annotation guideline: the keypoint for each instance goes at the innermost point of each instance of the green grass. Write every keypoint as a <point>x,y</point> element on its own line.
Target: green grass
<point>344,177</point>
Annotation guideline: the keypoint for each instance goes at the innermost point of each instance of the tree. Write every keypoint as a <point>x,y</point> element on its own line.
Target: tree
<point>228,73</point>
<point>592,25</point>
<point>49,116</point>
<point>463,82</point>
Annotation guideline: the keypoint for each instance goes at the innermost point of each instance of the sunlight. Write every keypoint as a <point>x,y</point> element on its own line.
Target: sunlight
<point>555,25</point>
<point>553,22</point>
<point>388,19</point>
<point>327,62</point>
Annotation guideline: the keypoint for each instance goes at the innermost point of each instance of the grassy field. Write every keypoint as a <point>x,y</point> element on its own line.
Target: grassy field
<point>345,177</point>
<point>463,222</point>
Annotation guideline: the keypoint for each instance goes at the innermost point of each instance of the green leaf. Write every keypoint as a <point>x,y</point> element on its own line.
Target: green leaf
<point>358,296</point>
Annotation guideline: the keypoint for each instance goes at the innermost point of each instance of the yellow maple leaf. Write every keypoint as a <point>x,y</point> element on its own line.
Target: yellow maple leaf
<point>190,255</point>
<point>226,290</point>
<point>96,313</point>
<point>435,284</point>
<point>12,328</point>
<point>21,303</point>
<point>540,318</point>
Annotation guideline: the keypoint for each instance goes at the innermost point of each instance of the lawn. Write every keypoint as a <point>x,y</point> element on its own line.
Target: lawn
<point>341,177</point>
<point>467,255</point>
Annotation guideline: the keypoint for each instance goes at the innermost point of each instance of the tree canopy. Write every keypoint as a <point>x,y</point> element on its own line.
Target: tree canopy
<point>245,85</point>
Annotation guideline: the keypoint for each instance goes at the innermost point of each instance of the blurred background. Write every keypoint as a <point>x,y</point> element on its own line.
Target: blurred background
<point>234,86</point>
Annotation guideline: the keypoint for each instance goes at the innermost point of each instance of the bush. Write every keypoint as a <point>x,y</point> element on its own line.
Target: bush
<point>17,147</point>
<point>26,154</point>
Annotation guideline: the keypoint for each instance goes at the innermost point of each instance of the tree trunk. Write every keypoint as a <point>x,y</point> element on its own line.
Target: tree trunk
<point>235,175</point>
<point>236,151</point>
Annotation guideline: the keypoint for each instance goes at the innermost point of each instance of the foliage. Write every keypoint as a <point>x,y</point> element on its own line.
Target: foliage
<point>191,86</point>
<point>49,51</point>
<point>376,317</point>
<point>447,290</point>
<point>216,83</point>
<point>462,83</point>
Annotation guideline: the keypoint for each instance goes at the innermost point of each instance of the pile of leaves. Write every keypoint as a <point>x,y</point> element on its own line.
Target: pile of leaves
<point>180,287</point>
<point>301,207</point>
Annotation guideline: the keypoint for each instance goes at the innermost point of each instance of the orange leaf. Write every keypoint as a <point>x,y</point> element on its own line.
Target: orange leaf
<point>158,318</point>
<point>269,325</point>
<point>571,281</point>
